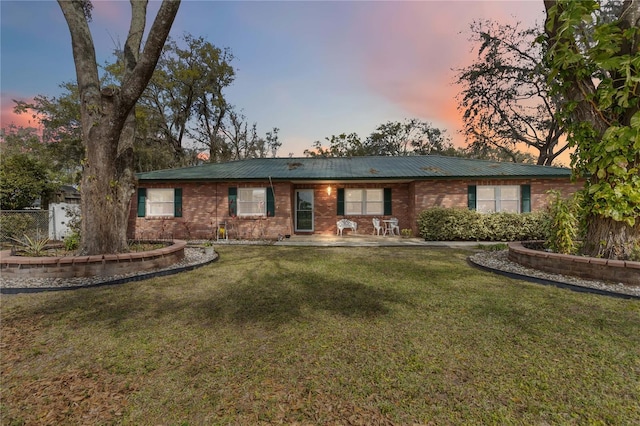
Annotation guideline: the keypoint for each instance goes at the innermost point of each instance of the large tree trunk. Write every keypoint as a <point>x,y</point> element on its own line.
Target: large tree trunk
<point>605,237</point>
<point>107,183</point>
<point>108,122</point>
<point>610,239</point>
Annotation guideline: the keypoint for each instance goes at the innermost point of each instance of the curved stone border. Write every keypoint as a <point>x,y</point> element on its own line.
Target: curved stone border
<point>623,271</point>
<point>115,281</point>
<point>90,266</point>
<point>559,284</point>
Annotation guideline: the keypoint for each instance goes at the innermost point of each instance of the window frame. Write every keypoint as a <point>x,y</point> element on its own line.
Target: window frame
<point>497,198</point>
<point>366,206</point>
<point>150,204</point>
<point>242,204</point>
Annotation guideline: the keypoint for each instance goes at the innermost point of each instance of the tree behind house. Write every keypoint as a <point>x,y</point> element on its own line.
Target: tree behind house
<point>505,97</point>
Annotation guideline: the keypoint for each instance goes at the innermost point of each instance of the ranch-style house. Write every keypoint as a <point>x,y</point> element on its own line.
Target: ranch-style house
<point>268,198</point>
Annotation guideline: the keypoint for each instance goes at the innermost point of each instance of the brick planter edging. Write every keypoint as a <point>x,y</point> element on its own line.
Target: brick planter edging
<point>91,266</point>
<point>620,271</point>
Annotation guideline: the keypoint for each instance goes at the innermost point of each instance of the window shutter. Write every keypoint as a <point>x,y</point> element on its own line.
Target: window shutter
<point>271,203</point>
<point>177,202</point>
<point>340,201</point>
<point>142,202</point>
<point>387,201</point>
<point>233,201</point>
<point>471,197</point>
<point>525,198</point>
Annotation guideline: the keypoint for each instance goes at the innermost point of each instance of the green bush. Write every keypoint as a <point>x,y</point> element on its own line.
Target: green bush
<point>72,241</point>
<point>451,224</point>
<point>562,224</point>
<point>12,226</point>
<point>456,224</point>
<point>33,246</point>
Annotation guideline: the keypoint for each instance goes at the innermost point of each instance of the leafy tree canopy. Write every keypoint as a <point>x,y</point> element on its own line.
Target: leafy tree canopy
<point>23,180</point>
<point>595,67</point>
<point>505,97</point>
<point>61,136</point>
<point>409,137</point>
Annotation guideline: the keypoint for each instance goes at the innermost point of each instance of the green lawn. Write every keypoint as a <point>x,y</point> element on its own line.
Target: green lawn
<point>291,335</point>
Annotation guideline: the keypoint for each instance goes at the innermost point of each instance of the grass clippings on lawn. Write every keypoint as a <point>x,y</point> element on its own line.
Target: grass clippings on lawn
<point>293,335</point>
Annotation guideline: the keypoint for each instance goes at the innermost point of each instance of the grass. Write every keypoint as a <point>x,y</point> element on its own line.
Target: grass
<point>292,335</point>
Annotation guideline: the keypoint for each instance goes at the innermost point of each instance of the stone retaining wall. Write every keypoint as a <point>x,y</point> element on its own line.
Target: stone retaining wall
<point>90,266</point>
<point>621,271</point>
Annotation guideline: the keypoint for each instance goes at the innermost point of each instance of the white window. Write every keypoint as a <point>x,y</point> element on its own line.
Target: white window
<point>160,202</point>
<point>252,202</point>
<point>364,201</point>
<point>491,199</point>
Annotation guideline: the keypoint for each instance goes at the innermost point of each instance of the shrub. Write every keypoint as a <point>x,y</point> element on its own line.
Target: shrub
<point>406,232</point>
<point>451,224</point>
<point>72,241</point>
<point>456,224</point>
<point>13,225</point>
<point>33,246</point>
<point>562,224</point>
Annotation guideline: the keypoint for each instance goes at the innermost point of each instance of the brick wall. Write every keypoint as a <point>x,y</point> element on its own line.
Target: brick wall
<point>205,205</point>
<point>327,207</point>
<point>614,271</point>
<point>453,193</point>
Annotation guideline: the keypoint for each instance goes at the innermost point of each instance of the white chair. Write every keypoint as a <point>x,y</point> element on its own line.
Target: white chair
<point>346,223</point>
<point>393,226</point>
<point>377,226</point>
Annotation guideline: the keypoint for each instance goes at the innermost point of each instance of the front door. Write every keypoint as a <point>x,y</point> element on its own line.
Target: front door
<point>304,210</point>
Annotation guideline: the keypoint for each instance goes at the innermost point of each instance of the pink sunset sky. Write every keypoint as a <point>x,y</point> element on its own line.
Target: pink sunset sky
<point>312,69</point>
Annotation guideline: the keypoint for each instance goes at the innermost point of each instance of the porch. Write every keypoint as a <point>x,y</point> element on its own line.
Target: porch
<point>364,240</point>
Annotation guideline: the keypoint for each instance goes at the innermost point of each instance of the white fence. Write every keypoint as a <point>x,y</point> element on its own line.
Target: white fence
<point>59,216</point>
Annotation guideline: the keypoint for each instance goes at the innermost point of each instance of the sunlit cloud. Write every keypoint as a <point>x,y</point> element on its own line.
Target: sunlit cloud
<point>110,11</point>
<point>9,118</point>
<point>409,54</point>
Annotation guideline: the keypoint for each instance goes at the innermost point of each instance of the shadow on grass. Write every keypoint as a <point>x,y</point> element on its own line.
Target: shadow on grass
<point>274,299</point>
<point>269,299</point>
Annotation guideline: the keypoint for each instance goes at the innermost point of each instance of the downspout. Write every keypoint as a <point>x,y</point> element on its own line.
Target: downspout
<point>217,230</point>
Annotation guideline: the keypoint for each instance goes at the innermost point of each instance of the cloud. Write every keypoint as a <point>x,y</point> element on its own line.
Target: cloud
<point>8,117</point>
<point>408,54</point>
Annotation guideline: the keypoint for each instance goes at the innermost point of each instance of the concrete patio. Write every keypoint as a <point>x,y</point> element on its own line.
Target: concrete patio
<point>360,240</point>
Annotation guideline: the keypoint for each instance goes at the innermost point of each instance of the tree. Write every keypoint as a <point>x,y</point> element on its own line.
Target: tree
<point>343,145</point>
<point>23,180</point>
<point>108,120</point>
<point>411,137</point>
<point>188,84</point>
<point>597,72</point>
<point>61,137</point>
<point>505,98</point>
<point>493,153</point>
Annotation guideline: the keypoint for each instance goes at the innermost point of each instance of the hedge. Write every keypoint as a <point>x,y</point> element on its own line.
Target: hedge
<point>457,224</point>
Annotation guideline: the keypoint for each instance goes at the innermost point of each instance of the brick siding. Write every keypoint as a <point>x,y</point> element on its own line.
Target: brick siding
<point>205,206</point>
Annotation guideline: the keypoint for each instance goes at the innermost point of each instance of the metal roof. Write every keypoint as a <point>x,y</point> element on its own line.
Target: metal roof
<point>355,168</point>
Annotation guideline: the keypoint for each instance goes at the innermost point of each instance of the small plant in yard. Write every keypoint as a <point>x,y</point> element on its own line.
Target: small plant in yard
<point>208,247</point>
<point>33,246</point>
<point>406,233</point>
<point>138,246</point>
<point>72,241</point>
<point>562,228</point>
<point>494,247</point>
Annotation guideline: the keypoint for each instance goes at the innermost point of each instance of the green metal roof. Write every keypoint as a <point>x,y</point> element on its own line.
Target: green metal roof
<point>355,168</point>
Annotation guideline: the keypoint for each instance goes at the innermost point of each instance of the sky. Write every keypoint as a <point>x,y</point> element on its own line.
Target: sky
<point>311,69</point>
